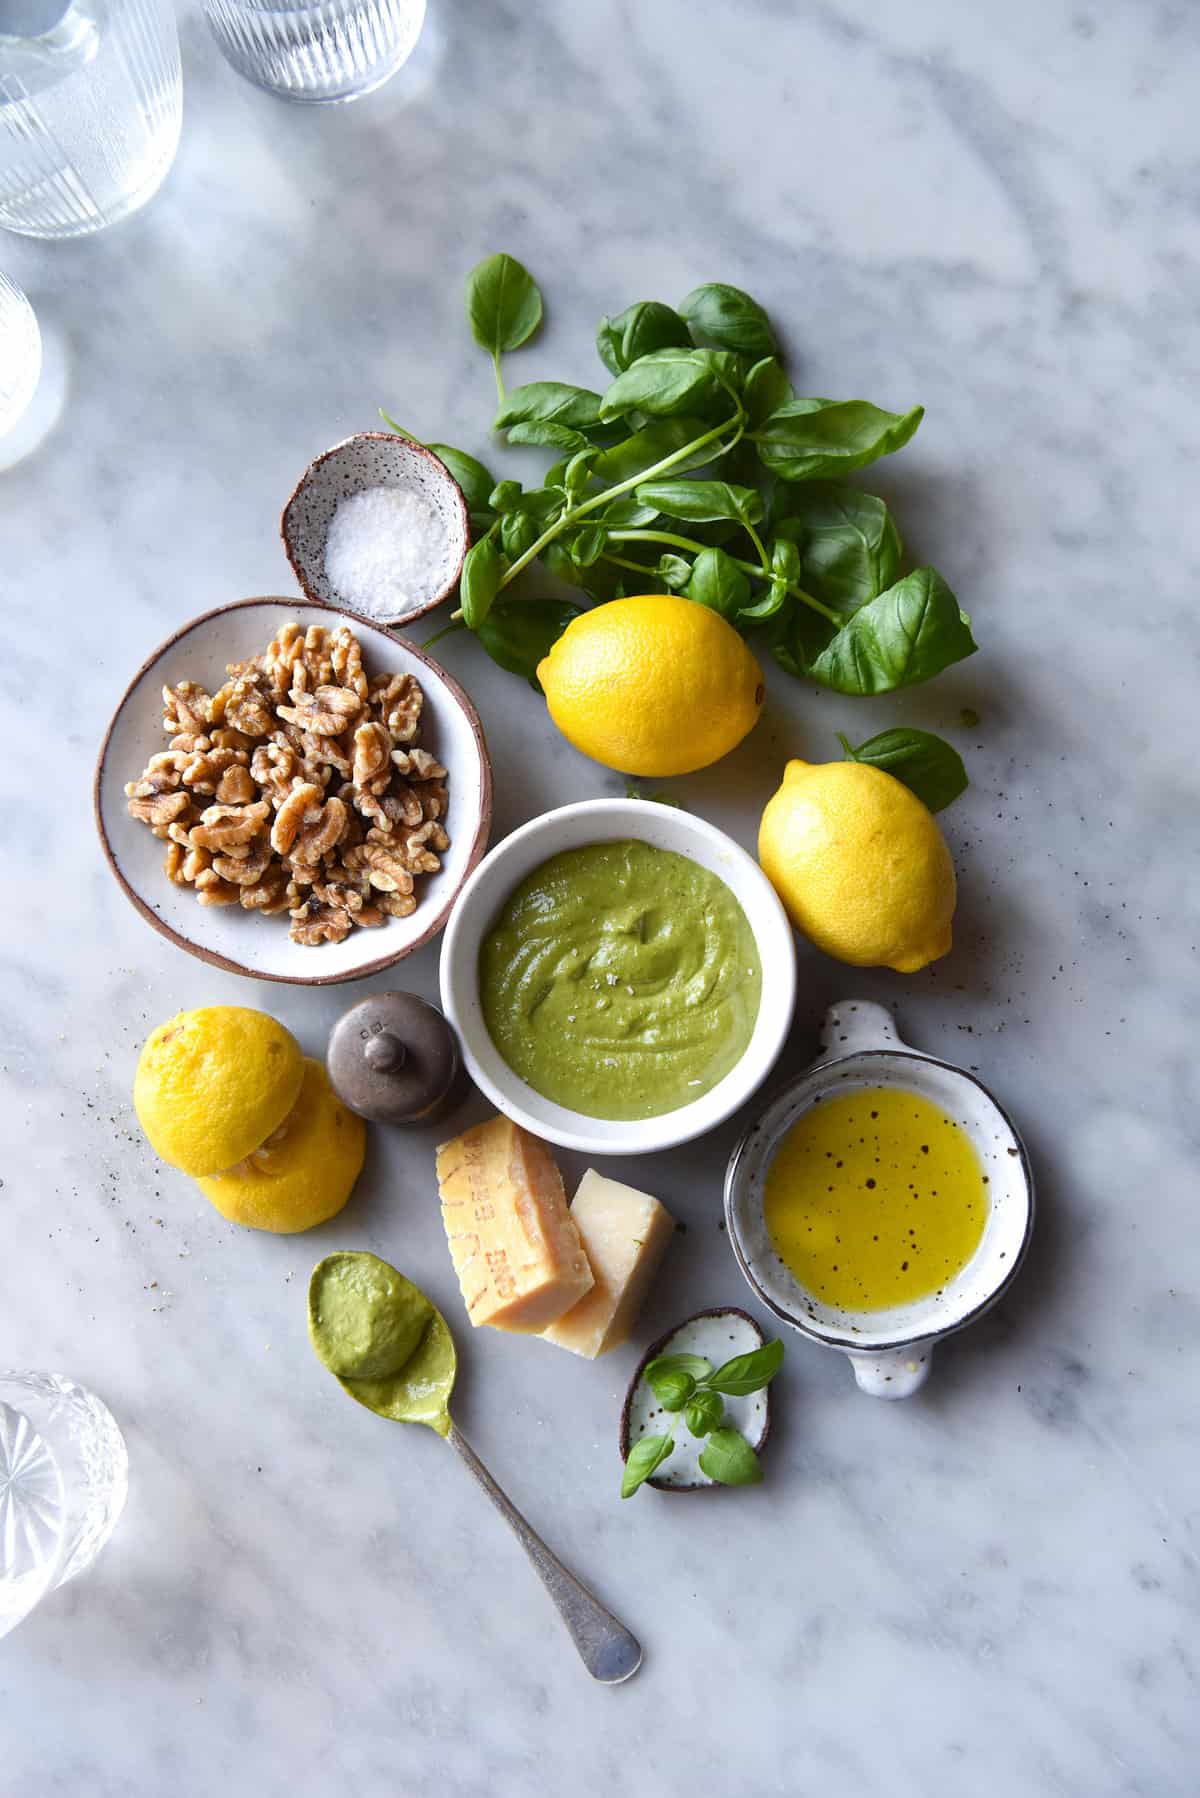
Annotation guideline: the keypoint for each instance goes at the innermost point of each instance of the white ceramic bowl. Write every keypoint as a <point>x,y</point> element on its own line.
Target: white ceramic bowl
<point>571,827</point>
<point>375,459</point>
<point>237,940</point>
<point>889,1350</point>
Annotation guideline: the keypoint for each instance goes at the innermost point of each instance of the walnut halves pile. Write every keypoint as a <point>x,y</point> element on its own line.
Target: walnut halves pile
<point>298,787</point>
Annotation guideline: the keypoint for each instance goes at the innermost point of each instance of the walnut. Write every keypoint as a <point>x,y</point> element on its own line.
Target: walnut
<point>203,772</point>
<point>212,890</point>
<point>303,798</point>
<point>372,916</point>
<point>313,924</point>
<point>233,739</point>
<point>372,765</point>
<point>326,713</point>
<point>418,857</point>
<point>341,898</point>
<point>186,708</point>
<point>248,710</point>
<point>245,870</point>
<point>345,654</point>
<point>236,786</point>
<point>159,809</point>
<point>401,807</point>
<point>434,799</point>
<point>191,742</point>
<point>269,895</point>
<point>398,699</point>
<point>418,764</point>
<point>322,752</point>
<point>225,827</point>
<point>381,866</point>
<point>396,905</point>
<point>173,864</point>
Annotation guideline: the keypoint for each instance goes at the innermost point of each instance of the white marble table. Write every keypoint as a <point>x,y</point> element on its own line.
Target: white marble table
<point>990,1589</point>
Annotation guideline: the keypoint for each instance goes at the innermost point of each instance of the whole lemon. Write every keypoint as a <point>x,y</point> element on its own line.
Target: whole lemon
<point>303,1173</point>
<point>860,865</point>
<point>653,685</point>
<point>212,1084</point>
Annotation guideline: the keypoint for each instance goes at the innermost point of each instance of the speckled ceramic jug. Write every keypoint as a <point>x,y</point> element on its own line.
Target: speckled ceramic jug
<point>889,1350</point>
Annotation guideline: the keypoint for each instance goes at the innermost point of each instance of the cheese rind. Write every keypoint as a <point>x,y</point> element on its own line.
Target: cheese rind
<point>514,1245</point>
<point>625,1234</point>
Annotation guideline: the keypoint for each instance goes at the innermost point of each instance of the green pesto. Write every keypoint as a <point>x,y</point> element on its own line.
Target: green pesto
<point>621,980</point>
<point>387,1345</point>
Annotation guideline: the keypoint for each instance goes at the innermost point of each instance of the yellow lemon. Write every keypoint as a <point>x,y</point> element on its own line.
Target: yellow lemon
<point>860,865</point>
<point>655,685</point>
<point>303,1173</point>
<point>212,1084</point>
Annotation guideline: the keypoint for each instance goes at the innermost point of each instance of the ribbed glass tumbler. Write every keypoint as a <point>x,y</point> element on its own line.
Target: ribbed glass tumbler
<point>333,51</point>
<point>20,353</point>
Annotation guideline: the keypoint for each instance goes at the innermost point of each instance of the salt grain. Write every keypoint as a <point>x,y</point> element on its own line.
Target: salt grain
<point>387,552</point>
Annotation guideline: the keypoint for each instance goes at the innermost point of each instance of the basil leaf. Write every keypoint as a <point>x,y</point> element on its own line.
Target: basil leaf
<point>520,633</point>
<point>671,1387</point>
<point>472,476</point>
<point>764,390</point>
<point>704,1412</point>
<point>748,1373</point>
<point>729,317</point>
<point>718,583</point>
<point>849,546</point>
<point>660,384</point>
<point>506,496</point>
<point>628,514</point>
<point>480,581</point>
<point>729,1459</point>
<point>645,1457</point>
<point>676,571</point>
<point>647,325</point>
<point>808,438</point>
<point>546,434</point>
<point>503,303</point>
<point>519,531</point>
<point>578,471</point>
<point>703,501</point>
<point>928,766</point>
<point>555,402</point>
<point>586,546</point>
<point>651,445</point>
<point>785,569</point>
<point>695,1365</point>
<point>903,636</point>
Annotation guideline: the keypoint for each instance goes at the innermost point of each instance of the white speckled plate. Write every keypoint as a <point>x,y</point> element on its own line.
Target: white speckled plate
<point>241,941</point>
<point>374,459</point>
<point>890,1350</point>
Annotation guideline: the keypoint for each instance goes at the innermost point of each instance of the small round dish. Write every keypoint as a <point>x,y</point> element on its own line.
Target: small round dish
<point>889,1350</point>
<point>571,827</point>
<point>374,459</point>
<point>237,940</point>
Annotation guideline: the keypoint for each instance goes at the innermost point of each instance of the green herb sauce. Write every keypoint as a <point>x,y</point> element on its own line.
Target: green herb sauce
<point>621,980</point>
<point>388,1346</point>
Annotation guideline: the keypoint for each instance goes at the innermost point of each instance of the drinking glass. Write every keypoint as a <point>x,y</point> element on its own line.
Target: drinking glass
<point>90,110</point>
<point>334,50</point>
<point>63,1478</point>
<point>20,353</point>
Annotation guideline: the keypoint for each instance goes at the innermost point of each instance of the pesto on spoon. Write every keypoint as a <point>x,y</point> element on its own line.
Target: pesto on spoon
<point>391,1349</point>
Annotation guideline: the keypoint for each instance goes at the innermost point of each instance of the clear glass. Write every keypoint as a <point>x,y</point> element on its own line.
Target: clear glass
<point>64,1473</point>
<point>90,112</point>
<point>333,51</point>
<point>20,353</point>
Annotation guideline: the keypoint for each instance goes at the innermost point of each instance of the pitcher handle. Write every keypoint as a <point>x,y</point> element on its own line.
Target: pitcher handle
<point>854,1024</point>
<point>894,1373</point>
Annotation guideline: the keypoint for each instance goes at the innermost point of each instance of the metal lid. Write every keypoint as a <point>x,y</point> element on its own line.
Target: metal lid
<point>393,1058</point>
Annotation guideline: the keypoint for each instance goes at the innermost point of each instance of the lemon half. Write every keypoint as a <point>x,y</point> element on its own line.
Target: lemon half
<point>213,1084</point>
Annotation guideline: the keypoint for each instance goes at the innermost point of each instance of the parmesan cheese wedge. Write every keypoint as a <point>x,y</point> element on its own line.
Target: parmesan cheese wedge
<point>516,1252</point>
<point>624,1233</point>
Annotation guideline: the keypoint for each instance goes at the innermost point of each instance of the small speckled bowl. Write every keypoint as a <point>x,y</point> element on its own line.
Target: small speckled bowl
<point>889,1350</point>
<point>374,459</point>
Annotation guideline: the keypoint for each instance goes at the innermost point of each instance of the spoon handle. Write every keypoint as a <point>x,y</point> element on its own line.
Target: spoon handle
<point>608,1651</point>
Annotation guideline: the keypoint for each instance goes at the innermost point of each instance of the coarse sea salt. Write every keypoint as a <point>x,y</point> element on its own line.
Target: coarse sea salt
<point>386,552</point>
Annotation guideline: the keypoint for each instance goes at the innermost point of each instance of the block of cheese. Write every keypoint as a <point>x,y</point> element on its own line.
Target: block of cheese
<point>516,1252</point>
<point>624,1234</point>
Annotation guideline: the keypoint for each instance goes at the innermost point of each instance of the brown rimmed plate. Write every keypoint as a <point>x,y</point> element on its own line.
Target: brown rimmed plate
<point>226,936</point>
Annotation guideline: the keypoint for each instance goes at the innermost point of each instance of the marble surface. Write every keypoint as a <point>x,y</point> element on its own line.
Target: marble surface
<point>989,1589</point>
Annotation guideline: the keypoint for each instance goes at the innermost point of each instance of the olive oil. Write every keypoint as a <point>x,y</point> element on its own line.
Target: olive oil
<point>875,1197</point>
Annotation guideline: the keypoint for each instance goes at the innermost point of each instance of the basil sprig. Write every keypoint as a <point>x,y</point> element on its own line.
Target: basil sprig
<point>768,533</point>
<point>691,1385</point>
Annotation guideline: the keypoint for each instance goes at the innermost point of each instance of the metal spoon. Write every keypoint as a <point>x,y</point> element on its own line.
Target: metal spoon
<point>354,1302</point>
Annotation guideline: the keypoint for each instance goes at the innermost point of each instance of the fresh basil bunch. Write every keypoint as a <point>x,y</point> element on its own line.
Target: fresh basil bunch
<point>691,1385</point>
<point>770,535</point>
